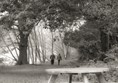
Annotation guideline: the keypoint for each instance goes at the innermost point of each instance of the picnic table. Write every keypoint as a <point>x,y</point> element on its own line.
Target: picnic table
<point>71,71</point>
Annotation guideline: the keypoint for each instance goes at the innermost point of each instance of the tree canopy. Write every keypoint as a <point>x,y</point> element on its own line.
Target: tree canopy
<point>24,15</point>
<point>99,33</point>
<point>100,15</point>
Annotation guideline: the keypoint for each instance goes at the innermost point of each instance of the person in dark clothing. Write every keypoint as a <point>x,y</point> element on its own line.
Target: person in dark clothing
<point>59,58</point>
<point>52,57</point>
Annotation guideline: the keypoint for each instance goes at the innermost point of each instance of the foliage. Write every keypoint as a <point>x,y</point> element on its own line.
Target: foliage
<point>26,14</point>
<point>101,10</point>
<point>112,54</point>
<point>86,40</point>
<point>100,30</point>
<point>22,15</point>
<point>100,16</point>
<point>61,13</point>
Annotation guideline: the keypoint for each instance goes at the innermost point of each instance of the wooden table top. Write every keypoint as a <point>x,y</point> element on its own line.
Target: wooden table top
<point>76,70</point>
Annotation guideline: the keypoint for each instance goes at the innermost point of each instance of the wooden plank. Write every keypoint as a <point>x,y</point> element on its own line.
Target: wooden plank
<point>67,82</point>
<point>85,78</point>
<point>76,70</point>
<point>52,78</point>
<point>101,79</point>
<point>83,82</point>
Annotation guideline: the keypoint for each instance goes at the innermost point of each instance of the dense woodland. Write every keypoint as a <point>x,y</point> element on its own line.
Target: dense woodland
<point>95,39</point>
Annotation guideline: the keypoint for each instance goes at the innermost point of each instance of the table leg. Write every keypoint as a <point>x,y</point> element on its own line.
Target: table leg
<point>85,78</point>
<point>52,78</point>
<point>70,78</point>
<point>100,78</point>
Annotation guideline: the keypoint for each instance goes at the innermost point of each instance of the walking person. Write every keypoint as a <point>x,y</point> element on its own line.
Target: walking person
<point>59,58</point>
<point>52,57</point>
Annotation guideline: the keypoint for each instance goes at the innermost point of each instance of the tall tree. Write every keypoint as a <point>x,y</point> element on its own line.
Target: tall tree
<point>23,15</point>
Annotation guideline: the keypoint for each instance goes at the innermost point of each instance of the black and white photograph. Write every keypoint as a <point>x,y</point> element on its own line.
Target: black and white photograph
<point>58,41</point>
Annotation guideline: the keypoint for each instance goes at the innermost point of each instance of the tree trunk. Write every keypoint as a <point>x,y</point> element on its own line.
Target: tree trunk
<point>22,59</point>
<point>104,41</point>
<point>52,42</point>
